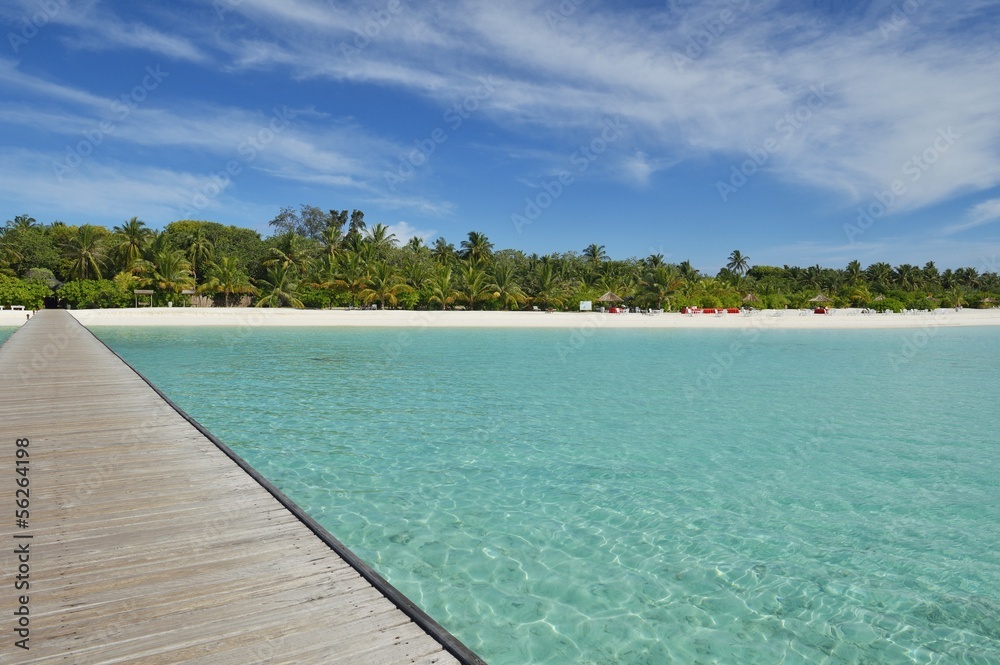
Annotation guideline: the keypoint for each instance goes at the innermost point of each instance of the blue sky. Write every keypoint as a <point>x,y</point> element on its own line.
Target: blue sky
<point>797,132</point>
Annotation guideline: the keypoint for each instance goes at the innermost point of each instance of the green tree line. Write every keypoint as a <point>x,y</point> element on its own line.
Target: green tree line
<point>321,259</point>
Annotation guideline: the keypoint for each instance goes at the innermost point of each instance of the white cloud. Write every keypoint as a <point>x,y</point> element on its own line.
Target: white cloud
<point>980,214</point>
<point>294,144</point>
<point>405,231</point>
<point>887,94</point>
<point>421,205</point>
<point>94,190</point>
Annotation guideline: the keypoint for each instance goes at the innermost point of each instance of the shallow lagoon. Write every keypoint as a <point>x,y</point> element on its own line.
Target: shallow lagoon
<point>634,496</point>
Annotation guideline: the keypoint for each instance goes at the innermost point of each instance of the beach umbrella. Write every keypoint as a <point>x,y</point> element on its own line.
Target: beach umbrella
<point>751,297</point>
<point>820,298</point>
<point>609,297</point>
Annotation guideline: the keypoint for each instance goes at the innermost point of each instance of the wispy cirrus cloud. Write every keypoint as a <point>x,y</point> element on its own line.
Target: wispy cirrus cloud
<point>93,27</point>
<point>196,141</point>
<point>101,189</point>
<point>313,140</point>
<point>980,214</point>
<point>889,90</point>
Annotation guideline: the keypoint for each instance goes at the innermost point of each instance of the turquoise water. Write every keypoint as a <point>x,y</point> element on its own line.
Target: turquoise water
<point>555,496</point>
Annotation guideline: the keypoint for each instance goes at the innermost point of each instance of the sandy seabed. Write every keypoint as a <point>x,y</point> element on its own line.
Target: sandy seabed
<point>786,319</point>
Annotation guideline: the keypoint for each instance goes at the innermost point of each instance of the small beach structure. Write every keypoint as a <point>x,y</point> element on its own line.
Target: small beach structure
<point>611,298</point>
<point>821,302</point>
<point>143,292</point>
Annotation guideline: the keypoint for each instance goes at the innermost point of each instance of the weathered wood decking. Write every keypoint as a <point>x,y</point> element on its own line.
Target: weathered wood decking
<point>150,542</point>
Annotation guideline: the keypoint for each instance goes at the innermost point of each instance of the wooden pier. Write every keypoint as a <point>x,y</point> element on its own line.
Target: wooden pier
<point>146,540</point>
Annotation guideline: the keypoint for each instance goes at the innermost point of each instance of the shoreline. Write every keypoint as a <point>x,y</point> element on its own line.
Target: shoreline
<point>844,319</point>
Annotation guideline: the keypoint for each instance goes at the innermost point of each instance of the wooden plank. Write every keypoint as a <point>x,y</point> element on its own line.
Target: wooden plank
<point>151,542</point>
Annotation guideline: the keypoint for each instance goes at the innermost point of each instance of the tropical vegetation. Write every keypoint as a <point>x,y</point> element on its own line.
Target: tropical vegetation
<point>321,259</point>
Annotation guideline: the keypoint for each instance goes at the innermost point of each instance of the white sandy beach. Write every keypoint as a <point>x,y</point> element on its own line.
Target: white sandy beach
<point>254,317</point>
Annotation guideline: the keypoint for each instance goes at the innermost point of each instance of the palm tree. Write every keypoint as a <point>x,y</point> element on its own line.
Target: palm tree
<point>474,285</point>
<point>290,252</point>
<point>967,277</point>
<point>416,270</point>
<point>22,223</point>
<point>279,287</point>
<point>126,281</point>
<point>688,272</point>
<point>595,253</point>
<point>738,263</point>
<point>441,288</point>
<point>156,242</point>
<point>879,275</point>
<point>654,260</point>
<point>85,252</point>
<point>380,240</point>
<point>861,296</point>
<point>357,225</point>
<point>550,291</point>
<point>443,251</point>
<point>907,276</point>
<point>351,276</point>
<point>930,272</point>
<point>384,284</point>
<point>131,236</point>
<point>661,283</point>
<point>812,277</point>
<point>9,257</point>
<point>853,273</point>
<point>956,296</point>
<point>199,250</point>
<point>477,248</point>
<point>415,244</point>
<point>171,271</point>
<point>226,277</point>
<point>331,237</point>
<point>505,287</point>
